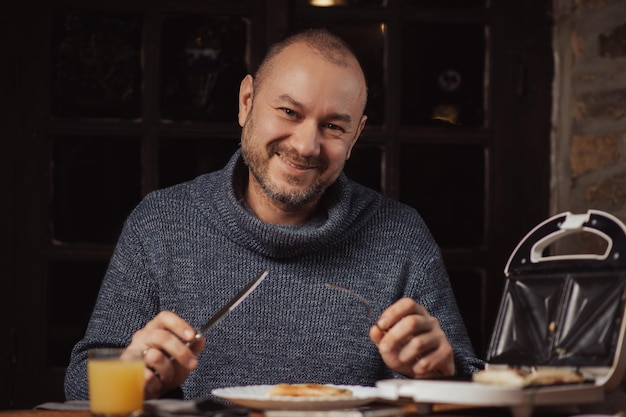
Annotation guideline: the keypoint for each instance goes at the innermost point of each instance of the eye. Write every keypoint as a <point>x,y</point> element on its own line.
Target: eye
<point>333,126</point>
<point>289,112</point>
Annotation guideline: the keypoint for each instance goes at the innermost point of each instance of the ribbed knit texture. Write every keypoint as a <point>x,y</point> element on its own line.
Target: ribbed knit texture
<point>191,247</point>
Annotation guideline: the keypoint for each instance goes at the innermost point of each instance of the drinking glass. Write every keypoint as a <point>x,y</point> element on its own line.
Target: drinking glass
<point>116,382</point>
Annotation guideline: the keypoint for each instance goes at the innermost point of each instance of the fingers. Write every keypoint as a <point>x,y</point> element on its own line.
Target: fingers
<point>154,384</point>
<point>159,364</point>
<point>167,358</point>
<point>168,333</point>
<point>167,320</point>
<point>411,341</point>
<point>398,311</point>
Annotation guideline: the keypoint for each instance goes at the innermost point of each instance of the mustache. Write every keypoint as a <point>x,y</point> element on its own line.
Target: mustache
<point>293,156</point>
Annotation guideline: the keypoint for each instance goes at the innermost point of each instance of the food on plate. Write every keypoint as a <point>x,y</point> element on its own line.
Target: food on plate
<point>508,377</point>
<point>308,390</point>
<point>521,378</point>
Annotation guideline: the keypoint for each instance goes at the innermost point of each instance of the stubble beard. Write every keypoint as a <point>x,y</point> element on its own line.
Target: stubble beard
<point>257,163</point>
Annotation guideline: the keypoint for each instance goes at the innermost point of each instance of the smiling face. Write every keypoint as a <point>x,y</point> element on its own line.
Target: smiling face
<point>299,126</point>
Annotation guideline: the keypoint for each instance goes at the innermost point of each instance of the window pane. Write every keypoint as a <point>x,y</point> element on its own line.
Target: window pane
<point>368,42</point>
<point>96,65</point>
<point>446,184</point>
<point>365,166</point>
<point>443,71</point>
<point>203,62</point>
<point>96,183</point>
<point>468,286</point>
<point>67,314</point>
<point>184,159</point>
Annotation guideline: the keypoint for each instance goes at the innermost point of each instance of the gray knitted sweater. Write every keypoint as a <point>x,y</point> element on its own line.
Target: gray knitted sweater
<point>191,247</point>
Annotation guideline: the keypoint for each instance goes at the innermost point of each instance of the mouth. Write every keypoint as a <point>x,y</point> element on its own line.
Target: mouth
<point>295,165</point>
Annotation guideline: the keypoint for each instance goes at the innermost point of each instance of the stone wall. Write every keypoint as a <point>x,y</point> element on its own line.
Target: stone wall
<point>589,108</point>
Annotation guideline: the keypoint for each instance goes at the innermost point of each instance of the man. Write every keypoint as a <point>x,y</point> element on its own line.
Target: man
<point>281,203</point>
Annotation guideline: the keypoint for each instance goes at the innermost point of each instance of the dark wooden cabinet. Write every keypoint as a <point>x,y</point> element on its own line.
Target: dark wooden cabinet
<point>108,101</point>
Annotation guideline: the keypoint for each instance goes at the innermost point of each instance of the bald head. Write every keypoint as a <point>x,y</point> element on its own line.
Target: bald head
<point>326,45</point>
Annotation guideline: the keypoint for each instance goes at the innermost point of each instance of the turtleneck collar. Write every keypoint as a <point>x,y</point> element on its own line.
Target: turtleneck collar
<point>344,208</point>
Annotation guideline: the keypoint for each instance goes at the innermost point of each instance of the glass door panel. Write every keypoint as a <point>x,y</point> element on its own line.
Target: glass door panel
<point>365,165</point>
<point>203,60</point>
<point>96,182</point>
<point>446,184</point>
<point>68,314</point>
<point>183,159</point>
<point>468,285</point>
<point>96,65</point>
<point>443,70</point>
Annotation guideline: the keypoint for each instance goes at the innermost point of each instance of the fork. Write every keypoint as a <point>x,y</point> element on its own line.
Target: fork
<point>363,300</point>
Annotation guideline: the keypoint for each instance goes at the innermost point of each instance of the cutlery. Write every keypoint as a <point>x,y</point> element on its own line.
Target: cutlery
<point>234,302</point>
<point>370,312</point>
<point>363,300</point>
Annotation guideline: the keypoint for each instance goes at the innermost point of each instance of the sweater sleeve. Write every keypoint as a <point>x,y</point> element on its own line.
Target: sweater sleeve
<point>435,293</point>
<point>126,301</point>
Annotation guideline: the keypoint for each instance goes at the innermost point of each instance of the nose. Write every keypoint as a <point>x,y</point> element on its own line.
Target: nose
<point>306,139</point>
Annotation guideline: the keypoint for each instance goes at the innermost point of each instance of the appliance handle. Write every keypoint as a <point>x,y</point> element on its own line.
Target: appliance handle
<point>531,250</point>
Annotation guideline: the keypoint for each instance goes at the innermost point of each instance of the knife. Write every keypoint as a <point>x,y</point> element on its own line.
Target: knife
<point>234,302</point>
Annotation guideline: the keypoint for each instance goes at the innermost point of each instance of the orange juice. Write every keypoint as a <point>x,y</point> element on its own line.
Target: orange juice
<point>116,386</point>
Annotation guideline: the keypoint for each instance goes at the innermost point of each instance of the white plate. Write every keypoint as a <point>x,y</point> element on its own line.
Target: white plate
<point>255,396</point>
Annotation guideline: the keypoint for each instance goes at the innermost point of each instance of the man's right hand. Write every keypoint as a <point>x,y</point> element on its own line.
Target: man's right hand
<point>168,358</point>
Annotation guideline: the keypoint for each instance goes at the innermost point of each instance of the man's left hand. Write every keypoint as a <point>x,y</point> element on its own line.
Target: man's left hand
<point>411,341</point>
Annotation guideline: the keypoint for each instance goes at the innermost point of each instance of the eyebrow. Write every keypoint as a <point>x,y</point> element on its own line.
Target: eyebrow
<point>334,116</point>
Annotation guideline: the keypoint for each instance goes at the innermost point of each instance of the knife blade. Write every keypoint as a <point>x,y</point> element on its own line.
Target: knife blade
<point>234,302</point>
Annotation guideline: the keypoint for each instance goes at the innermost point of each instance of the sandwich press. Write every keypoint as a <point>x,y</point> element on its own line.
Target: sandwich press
<point>564,312</point>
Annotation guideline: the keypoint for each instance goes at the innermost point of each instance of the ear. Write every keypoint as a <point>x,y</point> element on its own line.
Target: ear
<point>358,133</point>
<point>246,93</point>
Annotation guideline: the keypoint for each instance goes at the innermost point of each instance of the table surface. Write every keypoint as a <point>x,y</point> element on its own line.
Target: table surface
<point>411,410</point>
